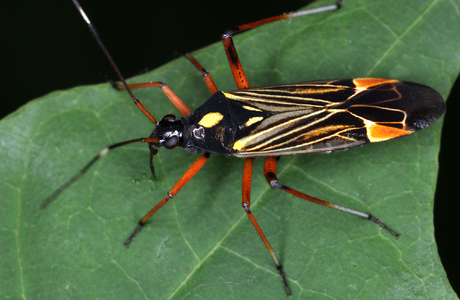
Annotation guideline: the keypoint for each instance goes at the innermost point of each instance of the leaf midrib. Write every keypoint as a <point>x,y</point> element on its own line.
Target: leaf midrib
<point>399,38</point>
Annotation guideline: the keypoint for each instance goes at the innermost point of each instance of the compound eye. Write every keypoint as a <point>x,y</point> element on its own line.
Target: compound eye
<point>172,142</point>
<point>169,118</point>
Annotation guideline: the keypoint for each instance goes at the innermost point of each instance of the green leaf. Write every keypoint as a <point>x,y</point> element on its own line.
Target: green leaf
<point>201,244</point>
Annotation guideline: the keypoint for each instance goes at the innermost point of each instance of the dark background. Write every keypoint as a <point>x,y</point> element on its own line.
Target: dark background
<point>46,46</point>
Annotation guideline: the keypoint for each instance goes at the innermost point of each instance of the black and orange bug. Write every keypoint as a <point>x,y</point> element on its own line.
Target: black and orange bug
<point>274,121</point>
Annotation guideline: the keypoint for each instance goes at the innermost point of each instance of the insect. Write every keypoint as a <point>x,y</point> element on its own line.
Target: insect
<point>274,121</point>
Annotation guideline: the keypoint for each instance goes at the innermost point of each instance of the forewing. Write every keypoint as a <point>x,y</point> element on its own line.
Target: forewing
<point>324,116</point>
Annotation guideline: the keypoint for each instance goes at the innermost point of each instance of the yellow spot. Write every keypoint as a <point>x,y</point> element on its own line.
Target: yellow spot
<point>228,95</point>
<point>251,108</point>
<point>211,119</point>
<point>253,120</point>
<point>380,133</point>
<point>239,145</point>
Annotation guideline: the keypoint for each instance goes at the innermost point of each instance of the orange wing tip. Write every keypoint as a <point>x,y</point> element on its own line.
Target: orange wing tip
<point>364,83</point>
<point>380,133</point>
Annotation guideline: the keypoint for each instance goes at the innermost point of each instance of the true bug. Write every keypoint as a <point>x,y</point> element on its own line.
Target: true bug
<point>318,116</point>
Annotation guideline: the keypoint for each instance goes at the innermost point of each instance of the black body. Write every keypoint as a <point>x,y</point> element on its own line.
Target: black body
<point>316,116</point>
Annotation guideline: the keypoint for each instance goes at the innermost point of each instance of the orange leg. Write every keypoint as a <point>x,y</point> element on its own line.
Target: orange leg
<point>164,87</point>
<point>168,92</point>
<point>206,76</point>
<point>197,165</point>
<point>247,177</point>
<point>270,175</point>
<point>230,50</point>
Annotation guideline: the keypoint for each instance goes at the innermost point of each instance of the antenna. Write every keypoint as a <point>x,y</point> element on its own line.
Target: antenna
<point>109,57</point>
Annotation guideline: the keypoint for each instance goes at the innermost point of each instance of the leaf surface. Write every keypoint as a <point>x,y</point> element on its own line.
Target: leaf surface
<point>201,244</point>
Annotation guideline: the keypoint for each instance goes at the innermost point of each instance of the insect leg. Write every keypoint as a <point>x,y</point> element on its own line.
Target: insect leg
<point>82,172</point>
<point>247,176</point>
<point>232,56</point>
<point>163,86</point>
<point>206,76</point>
<point>194,168</point>
<point>270,175</point>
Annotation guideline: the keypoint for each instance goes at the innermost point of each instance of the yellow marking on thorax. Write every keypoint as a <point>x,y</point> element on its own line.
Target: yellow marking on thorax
<point>211,119</point>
